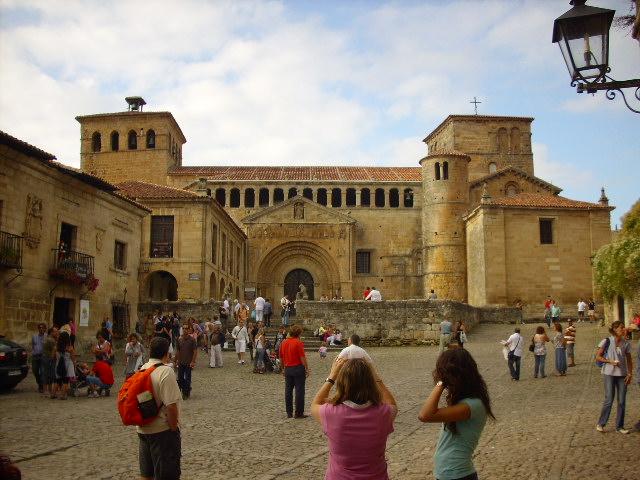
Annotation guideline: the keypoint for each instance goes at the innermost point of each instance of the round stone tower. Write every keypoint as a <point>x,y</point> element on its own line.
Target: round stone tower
<point>446,199</point>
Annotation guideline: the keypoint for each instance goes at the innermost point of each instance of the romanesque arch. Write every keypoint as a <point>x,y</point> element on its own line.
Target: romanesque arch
<point>284,258</point>
<point>213,287</point>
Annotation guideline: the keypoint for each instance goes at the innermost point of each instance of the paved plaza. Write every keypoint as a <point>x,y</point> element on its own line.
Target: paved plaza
<point>234,425</point>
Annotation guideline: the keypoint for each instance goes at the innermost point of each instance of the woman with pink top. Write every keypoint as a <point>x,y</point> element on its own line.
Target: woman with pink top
<point>360,413</point>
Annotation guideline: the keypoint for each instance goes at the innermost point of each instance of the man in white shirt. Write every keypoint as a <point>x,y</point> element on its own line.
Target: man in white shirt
<point>432,295</point>
<point>582,307</point>
<point>259,304</point>
<point>159,449</point>
<point>354,350</point>
<point>514,343</point>
<point>374,295</point>
<point>240,337</point>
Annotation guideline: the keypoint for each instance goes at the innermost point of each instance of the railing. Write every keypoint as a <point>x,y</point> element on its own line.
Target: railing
<point>73,266</point>
<point>161,250</point>
<point>10,250</point>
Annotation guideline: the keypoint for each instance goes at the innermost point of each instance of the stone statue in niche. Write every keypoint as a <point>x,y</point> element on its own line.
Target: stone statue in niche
<point>99,240</point>
<point>302,293</point>
<point>33,222</point>
<point>298,211</point>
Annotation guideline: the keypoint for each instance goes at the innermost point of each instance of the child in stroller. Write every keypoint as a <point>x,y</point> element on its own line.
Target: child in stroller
<point>79,382</point>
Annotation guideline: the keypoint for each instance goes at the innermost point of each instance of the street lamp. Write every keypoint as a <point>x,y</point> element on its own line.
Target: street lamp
<point>583,36</point>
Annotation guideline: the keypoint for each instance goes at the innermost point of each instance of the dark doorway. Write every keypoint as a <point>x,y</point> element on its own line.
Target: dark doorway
<point>621,308</point>
<point>67,236</point>
<point>293,280</point>
<point>120,316</point>
<point>63,310</point>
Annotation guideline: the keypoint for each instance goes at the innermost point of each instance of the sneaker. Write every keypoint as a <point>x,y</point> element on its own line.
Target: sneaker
<point>600,428</point>
<point>239,362</point>
<point>622,430</point>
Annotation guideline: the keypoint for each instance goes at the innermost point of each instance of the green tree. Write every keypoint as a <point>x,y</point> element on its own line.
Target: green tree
<point>617,265</point>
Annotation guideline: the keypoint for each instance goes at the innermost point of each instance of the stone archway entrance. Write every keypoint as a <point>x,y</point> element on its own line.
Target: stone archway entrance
<point>161,285</point>
<point>294,279</point>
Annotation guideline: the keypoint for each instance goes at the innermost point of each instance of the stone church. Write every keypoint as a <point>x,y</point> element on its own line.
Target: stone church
<point>471,220</point>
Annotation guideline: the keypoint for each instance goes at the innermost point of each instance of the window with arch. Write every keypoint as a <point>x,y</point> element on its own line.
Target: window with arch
<point>351,197</point>
<point>173,150</point>
<point>394,198</point>
<point>437,170</point>
<point>263,197</point>
<point>307,193</point>
<point>408,198</point>
<point>221,196</point>
<point>96,142</point>
<point>234,198</point>
<point>132,140</point>
<point>503,140</point>
<point>293,191</point>
<point>380,197</point>
<point>249,198</point>
<point>511,190</point>
<point>278,195</point>
<point>445,171</point>
<point>322,196</point>
<point>115,141</point>
<point>151,139</point>
<point>515,140</point>
<point>336,197</point>
<point>365,197</point>
<point>493,168</point>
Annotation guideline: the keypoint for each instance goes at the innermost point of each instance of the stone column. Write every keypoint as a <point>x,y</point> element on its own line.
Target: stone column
<point>241,204</point>
<point>343,195</point>
<point>270,196</point>
<point>329,197</point>
<point>314,195</point>
<point>358,197</point>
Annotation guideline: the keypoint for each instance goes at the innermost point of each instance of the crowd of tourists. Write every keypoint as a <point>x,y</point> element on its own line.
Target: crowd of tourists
<point>360,411</point>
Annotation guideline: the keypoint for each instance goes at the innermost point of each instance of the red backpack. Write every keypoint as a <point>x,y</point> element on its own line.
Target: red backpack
<point>136,403</point>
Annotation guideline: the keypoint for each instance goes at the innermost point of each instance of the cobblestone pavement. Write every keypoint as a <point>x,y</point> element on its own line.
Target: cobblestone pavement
<point>234,425</point>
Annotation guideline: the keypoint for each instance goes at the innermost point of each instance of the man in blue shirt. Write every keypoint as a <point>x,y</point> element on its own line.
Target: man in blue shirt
<point>445,334</point>
<point>37,342</point>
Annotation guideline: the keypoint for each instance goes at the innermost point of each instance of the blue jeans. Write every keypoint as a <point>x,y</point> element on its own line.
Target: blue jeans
<point>561,360</point>
<point>93,380</point>
<point>539,365</point>
<point>514,366</point>
<point>259,360</point>
<point>285,319</point>
<point>184,378</point>
<point>612,383</point>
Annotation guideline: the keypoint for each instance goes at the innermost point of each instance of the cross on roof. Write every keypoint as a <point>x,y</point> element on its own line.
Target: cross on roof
<point>475,104</point>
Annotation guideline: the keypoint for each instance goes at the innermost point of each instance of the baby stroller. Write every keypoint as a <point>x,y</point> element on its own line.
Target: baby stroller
<point>78,383</point>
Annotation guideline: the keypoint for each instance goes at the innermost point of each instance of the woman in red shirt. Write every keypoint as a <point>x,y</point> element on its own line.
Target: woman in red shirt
<point>295,371</point>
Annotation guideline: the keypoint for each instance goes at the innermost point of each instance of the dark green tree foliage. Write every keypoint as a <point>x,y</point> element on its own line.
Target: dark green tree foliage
<point>617,265</point>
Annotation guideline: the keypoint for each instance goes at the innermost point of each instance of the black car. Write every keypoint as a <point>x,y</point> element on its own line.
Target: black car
<point>13,364</point>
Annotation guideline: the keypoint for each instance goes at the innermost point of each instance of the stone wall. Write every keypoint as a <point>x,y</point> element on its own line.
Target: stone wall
<point>400,322</point>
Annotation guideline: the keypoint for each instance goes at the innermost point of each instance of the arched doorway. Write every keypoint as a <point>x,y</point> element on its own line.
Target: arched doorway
<point>162,285</point>
<point>294,279</point>
<point>221,288</point>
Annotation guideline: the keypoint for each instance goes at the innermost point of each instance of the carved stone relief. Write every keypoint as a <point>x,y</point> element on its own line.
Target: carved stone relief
<point>33,221</point>
<point>298,211</point>
<point>99,240</point>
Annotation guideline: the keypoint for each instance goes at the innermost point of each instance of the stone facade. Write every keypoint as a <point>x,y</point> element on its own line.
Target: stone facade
<point>403,230</point>
<point>394,323</point>
<point>44,202</point>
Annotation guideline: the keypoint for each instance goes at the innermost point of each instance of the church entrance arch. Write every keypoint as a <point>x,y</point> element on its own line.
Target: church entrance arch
<point>275,275</point>
<point>294,279</point>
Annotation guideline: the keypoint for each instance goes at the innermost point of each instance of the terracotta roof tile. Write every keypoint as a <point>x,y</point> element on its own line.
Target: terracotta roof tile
<point>538,200</point>
<point>143,190</point>
<point>328,173</point>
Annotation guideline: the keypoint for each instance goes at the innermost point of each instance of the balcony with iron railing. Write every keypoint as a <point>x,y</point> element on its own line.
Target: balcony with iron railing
<point>10,250</point>
<point>71,266</point>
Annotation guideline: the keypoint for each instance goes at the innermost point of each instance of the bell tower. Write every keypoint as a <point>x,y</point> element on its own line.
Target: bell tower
<point>130,145</point>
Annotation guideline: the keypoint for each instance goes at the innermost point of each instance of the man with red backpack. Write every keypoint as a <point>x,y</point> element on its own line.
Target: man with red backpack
<point>160,446</point>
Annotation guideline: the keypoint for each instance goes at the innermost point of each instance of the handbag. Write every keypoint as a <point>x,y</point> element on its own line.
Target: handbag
<point>532,347</point>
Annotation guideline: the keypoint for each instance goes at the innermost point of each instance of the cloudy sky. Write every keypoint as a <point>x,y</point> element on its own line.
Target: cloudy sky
<point>356,82</point>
